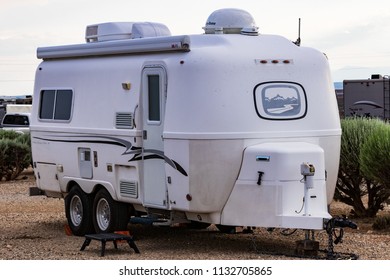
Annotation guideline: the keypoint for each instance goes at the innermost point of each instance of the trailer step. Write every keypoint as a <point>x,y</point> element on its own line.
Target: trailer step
<point>104,237</point>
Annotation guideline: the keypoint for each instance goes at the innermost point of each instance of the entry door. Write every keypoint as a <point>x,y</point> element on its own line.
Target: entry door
<point>153,111</point>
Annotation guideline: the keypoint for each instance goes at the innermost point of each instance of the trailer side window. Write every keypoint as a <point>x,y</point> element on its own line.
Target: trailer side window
<point>56,104</point>
<point>280,101</point>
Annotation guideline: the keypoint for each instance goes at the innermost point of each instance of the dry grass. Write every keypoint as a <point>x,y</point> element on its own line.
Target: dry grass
<point>34,228</point>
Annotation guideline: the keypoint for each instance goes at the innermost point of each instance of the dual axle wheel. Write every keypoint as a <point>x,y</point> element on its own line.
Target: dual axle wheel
<point>99,213</point>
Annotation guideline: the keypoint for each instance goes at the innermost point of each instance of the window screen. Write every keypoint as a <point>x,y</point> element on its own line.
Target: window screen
<point>56,104</point>
<point>63,105</point>
<point>47,104</point>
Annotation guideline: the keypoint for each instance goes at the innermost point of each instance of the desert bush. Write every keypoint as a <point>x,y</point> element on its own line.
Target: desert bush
<point>15,154</point>
<point>375,157</point>
<point>353,185</point>
<point>381,223</point>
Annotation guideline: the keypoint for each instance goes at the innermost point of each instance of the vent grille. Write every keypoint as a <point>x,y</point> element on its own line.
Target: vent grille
<point>129,188</point>
<point>124,120</point>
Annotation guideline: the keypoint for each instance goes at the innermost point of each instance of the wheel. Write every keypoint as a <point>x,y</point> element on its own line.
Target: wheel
<point>78,209</point>
<point>109,215</point>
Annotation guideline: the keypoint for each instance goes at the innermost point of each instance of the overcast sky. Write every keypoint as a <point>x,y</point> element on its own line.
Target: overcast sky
<point>354,34</point>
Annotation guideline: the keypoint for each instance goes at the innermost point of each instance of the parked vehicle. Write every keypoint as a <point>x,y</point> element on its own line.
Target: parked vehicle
<point>19,122</point>
<point>230,127</point>
<point>367,97</point>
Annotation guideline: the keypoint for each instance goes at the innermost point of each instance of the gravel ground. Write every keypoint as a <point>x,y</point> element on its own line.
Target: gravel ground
<point>34,228</point>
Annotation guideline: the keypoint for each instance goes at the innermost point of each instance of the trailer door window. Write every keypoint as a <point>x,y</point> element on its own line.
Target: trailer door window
<point>154,97</point>
<point>56,104</point>
<point>280,101</point>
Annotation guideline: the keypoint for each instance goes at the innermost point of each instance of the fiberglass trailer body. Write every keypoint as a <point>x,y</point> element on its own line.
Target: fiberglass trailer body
<point>228,127</point>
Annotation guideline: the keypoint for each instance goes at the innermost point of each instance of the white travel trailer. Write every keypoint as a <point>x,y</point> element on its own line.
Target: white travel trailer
<point>230,127</point>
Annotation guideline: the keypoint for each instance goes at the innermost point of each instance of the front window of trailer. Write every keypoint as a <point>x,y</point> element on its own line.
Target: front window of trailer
<point>280,101</point>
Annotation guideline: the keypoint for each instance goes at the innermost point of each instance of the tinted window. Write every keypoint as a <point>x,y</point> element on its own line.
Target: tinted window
<point>16,120</point>
<point>63,105</point>
<point>154,97</point>
<point>56,104</point>
<point>47,104</point>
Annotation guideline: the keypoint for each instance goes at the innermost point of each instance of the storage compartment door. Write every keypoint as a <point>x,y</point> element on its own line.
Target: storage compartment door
<point>85,163</point>
<point>47,177</point>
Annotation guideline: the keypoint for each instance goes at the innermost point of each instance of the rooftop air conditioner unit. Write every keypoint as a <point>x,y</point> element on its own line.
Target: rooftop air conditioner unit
<point>124,30</point>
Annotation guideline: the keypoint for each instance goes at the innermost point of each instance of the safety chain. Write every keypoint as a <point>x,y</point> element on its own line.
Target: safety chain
<point>330,228</point>
<point>330,253</point>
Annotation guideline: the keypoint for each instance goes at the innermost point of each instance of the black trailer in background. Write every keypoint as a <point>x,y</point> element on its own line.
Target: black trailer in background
<point>366,98</point>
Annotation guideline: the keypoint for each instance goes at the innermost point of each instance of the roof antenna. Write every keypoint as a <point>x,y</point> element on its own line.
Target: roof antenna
<point>298,41</point>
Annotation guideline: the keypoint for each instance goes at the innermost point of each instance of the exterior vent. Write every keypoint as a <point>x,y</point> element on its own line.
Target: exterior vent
<point>124,120</point>
<point>129,188</point>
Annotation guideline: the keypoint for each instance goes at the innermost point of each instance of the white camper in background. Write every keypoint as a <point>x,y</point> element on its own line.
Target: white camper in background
<point>230,127</point>
<point>19,108</point>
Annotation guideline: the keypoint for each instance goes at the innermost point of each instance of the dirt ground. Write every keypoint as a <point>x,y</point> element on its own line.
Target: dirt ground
<point>34,228</point>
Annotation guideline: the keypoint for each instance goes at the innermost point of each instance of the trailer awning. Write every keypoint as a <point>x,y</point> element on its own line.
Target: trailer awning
<point>131,46</point>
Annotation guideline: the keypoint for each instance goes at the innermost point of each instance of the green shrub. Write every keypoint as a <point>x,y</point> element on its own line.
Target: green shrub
<point>375,155</point>
<point>15,154</point>
<point>353,184</point>
<point>381,223</point>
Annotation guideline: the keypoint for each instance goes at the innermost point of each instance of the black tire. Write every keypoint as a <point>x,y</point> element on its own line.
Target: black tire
<point>78,210</point>
<point>109,215</point>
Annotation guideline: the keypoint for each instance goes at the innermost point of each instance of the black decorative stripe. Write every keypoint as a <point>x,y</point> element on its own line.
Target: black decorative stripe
<point>130,149</point>
<point>84,141</point>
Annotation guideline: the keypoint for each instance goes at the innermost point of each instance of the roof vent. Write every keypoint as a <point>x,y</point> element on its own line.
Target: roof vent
<point>124,30</point>
<point>231,21</point>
